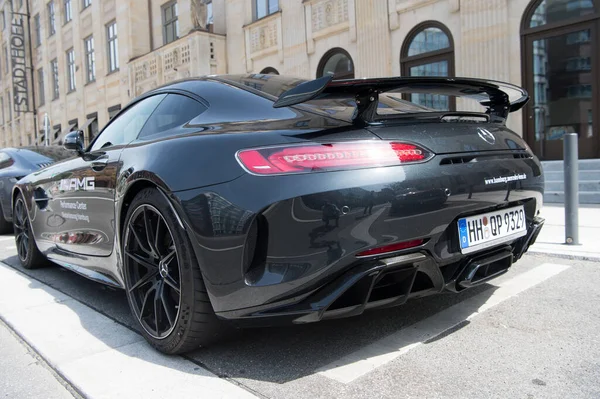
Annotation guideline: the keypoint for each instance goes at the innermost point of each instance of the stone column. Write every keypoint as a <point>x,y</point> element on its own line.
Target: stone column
<point>372,38</point>
<point>138,35</point>
<point>485,35</point>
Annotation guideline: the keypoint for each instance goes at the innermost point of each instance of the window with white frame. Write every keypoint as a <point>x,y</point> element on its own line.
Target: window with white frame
<point>90,59</point>
<point>71,69</point>
<point>574,5</point>
<point>86,4</point>
<point>113,46</point>
<point>262,8</point>
<point>51,18</point>
<point>209,14</point>
<point>68,11</point>
<point>54,69</point>
<point>170,22</point>
<point>41,91</point>
<point>37,23</point>
<point>6,59</point>
<point>9,105</point>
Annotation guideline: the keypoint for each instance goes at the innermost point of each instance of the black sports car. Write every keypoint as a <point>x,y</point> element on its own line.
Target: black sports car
<point>260,199</point>
<point>18,162</point>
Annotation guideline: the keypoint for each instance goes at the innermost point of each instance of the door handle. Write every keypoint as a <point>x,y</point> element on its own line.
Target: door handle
<point>99,164</point>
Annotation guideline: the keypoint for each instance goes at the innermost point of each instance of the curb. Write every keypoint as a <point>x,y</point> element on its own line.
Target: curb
<point>563,255</point>
<point>42,361</point>
<point>93,340</point>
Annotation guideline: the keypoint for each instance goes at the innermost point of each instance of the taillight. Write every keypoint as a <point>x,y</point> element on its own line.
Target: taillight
<point>327,157</point>
<point>391,248</point>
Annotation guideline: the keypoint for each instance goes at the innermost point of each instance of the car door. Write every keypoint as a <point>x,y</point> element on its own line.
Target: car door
<point>39,188</point>
<point>85,192</point>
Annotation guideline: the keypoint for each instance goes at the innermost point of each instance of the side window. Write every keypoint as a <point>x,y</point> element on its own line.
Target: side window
<point>5,160</point>
<point>125,128</point>
<point>175,111</point>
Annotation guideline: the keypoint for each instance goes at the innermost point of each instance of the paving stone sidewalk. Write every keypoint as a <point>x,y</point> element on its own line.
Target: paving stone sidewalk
<point>552,237</point>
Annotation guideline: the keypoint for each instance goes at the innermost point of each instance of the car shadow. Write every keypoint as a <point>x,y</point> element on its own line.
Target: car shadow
<point>283,354</point>
<point>276,354</point>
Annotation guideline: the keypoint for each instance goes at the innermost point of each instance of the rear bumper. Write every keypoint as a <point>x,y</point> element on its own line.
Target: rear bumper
<point>264,243</point>
<point>388,282</point>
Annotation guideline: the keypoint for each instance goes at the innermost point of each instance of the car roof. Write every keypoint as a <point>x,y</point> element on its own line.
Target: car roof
<point>263,84</point>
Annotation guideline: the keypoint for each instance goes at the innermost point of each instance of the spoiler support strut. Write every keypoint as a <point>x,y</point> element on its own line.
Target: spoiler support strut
<point>366,104</point>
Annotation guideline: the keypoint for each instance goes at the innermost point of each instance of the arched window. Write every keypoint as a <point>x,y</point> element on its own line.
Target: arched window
<point>269,71</point>
<point>559,54</point>
<point>336,62</point>
<point>429,51</point>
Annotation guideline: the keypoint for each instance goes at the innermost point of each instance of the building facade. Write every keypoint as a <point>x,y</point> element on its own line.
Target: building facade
<point>90,57</point>
<point>87,59</point>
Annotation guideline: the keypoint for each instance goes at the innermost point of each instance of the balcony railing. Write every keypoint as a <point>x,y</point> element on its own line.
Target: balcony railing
<point>328,17</point>
<point>263,38</point>
<point>199,53</point>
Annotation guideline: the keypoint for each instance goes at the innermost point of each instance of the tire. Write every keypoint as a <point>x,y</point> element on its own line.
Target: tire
<point>151,255</point>
<point>5,226</point>
<point>27,250</point>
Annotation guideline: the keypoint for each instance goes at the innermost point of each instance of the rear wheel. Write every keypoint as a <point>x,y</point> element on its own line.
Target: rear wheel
<point>164,284</point>
<point>29,254</point>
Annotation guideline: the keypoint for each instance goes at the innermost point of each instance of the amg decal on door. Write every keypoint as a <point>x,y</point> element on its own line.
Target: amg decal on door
<point>74,184</point>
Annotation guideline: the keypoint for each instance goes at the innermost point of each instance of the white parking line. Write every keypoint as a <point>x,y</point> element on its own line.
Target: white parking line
<point>98,356</point>
<point>377,354</point>
<point>9,238</point>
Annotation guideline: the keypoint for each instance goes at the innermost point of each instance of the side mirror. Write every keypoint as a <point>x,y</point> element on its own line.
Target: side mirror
<point>74,141</point>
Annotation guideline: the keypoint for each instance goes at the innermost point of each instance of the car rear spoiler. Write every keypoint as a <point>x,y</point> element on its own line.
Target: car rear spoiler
<point>499,98</point>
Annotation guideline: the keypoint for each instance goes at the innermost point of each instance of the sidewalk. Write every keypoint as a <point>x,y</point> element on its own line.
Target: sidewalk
<point>552,237</point>
<point>23,375</point>
<point>96,355</point>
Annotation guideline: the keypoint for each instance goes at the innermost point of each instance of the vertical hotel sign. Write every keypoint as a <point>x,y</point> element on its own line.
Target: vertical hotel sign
<point>19,67</point>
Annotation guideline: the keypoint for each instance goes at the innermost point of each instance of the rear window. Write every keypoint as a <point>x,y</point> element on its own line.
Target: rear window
<point>344,108</point>
<point>172,113</point>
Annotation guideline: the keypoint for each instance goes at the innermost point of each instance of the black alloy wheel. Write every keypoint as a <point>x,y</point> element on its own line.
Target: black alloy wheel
<point>29,254</point>
<point>153,272</point>
<point>163,281</point>
<point>21,229</point>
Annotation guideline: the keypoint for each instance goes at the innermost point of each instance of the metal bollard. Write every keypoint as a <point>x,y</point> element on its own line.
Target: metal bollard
<point>571,189</point>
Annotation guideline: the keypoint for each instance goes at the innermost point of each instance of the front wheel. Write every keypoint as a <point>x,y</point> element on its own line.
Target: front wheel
<point>163,281</point>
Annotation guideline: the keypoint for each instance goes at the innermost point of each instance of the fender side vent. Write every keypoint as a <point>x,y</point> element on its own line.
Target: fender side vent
<point>255,250</point>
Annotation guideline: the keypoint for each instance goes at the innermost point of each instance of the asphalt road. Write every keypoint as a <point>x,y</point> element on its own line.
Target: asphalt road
<point>532,333</point>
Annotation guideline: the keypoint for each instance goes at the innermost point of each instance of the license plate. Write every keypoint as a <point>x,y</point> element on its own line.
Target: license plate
<point>488,229</point>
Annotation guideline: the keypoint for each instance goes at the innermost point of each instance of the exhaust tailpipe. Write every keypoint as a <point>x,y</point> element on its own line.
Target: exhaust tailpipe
<point>481,270</point>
